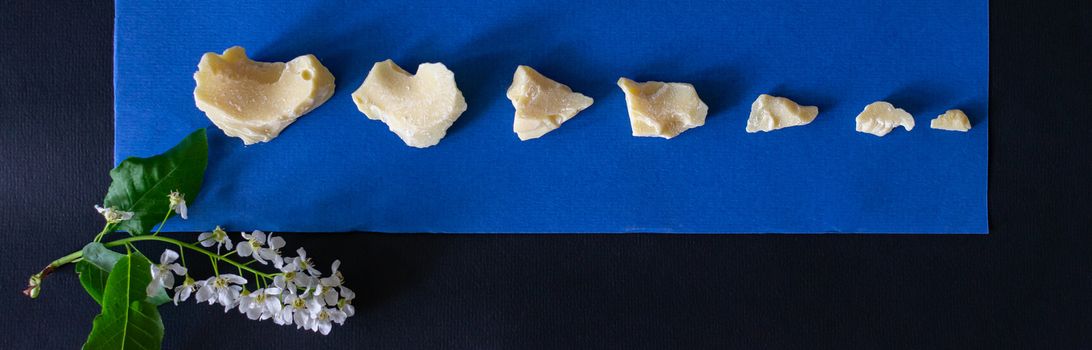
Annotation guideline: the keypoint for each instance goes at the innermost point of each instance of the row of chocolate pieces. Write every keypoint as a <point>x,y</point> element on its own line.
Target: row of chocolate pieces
<point>255,101</point>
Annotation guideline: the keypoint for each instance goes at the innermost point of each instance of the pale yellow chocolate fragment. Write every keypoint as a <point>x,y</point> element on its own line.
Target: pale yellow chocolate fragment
<point>770,113</point>
<point>952,120</point>
<point>255,101</point>
<point>418,108</point>
<point>542,104</point>
<point>879,118</point>
<point>658,109</point>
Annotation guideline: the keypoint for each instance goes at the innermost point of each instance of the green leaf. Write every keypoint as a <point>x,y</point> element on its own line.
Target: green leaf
<point>93,279</point>
<point>127,320</point>
<point>159,298</point>
<point>100,256</point>
<point>141,185</point>
<point>99,260</point>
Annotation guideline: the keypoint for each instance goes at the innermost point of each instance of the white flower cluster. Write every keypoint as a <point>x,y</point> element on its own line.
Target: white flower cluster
<point>299,293</point>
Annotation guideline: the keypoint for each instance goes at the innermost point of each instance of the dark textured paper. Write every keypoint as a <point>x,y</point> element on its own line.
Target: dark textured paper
<point>1025,285</point>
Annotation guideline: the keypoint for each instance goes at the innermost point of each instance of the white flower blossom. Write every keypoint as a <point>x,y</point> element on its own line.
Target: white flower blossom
<point>183,292</point>
<point>272,251</point>
<point>291,279</point>
<point>178,204</point>
<point>322,321</point>
<point>223,289</point>
<point>208,294</point>
<point>217,237</point>
<point>345,304</point>
<point>326,294</point>
<point>335,279</point>
<point>261,304</point>
<point>245,299</point>
<point>300,310</point>
<point>285,316</point>
<point>261,247</point>
<point>305,263</point>
<point>114,216</point>
<point>327,288</point>
<point>163,273</point>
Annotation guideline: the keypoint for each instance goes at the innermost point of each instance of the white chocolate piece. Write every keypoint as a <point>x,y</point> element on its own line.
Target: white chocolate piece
<point>879,118</point>
<point>770,113</point>
<point>419,108</point>
<point>255,101</point>
<point>541,103</point>
<point>658,109</point>
<point>952,120</point>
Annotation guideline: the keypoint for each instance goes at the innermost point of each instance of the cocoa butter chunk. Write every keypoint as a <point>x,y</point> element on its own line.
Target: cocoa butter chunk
<point>542,104</point>
<point>952,120</point>
<point>879,118</point>
<point>770,113</point>
<point>659,109</point>
<point>255,101</point>
<point>419,108</point>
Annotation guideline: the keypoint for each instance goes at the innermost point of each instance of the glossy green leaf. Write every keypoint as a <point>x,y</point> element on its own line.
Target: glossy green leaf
<point>93,279</point>
<point>127,320</point>
<point>98,255</point>
<point>141,185</point>
<point>102,259</point>
<point>160,297</point>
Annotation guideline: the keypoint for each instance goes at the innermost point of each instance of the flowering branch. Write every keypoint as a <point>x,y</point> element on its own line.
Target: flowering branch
<point>299,295</point>
<point>293,293</point>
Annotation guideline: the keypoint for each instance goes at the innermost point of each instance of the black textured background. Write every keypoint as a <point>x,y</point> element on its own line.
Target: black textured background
<point>1026,285</point>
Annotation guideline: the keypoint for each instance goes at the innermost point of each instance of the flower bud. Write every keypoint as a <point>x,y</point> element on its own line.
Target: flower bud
<point>33,286</point>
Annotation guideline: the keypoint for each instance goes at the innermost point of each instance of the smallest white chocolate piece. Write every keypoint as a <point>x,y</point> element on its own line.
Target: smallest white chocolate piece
<point>952,120</point>
<point>879,118</point>
<point>770,113</point>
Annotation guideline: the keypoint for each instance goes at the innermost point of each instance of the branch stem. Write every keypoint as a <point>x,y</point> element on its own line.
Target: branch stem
<point>193,247</point>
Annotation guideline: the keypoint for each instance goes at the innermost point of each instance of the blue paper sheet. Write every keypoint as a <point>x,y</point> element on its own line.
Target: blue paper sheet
<point>335,170</point>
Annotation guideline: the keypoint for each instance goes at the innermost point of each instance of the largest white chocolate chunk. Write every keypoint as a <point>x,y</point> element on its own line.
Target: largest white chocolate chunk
<point>770,113</point>
<point>255,101</point>
<point>418,108</point>
<point>659,109</point>
<point>879,118</point>
<point>541,103</point>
